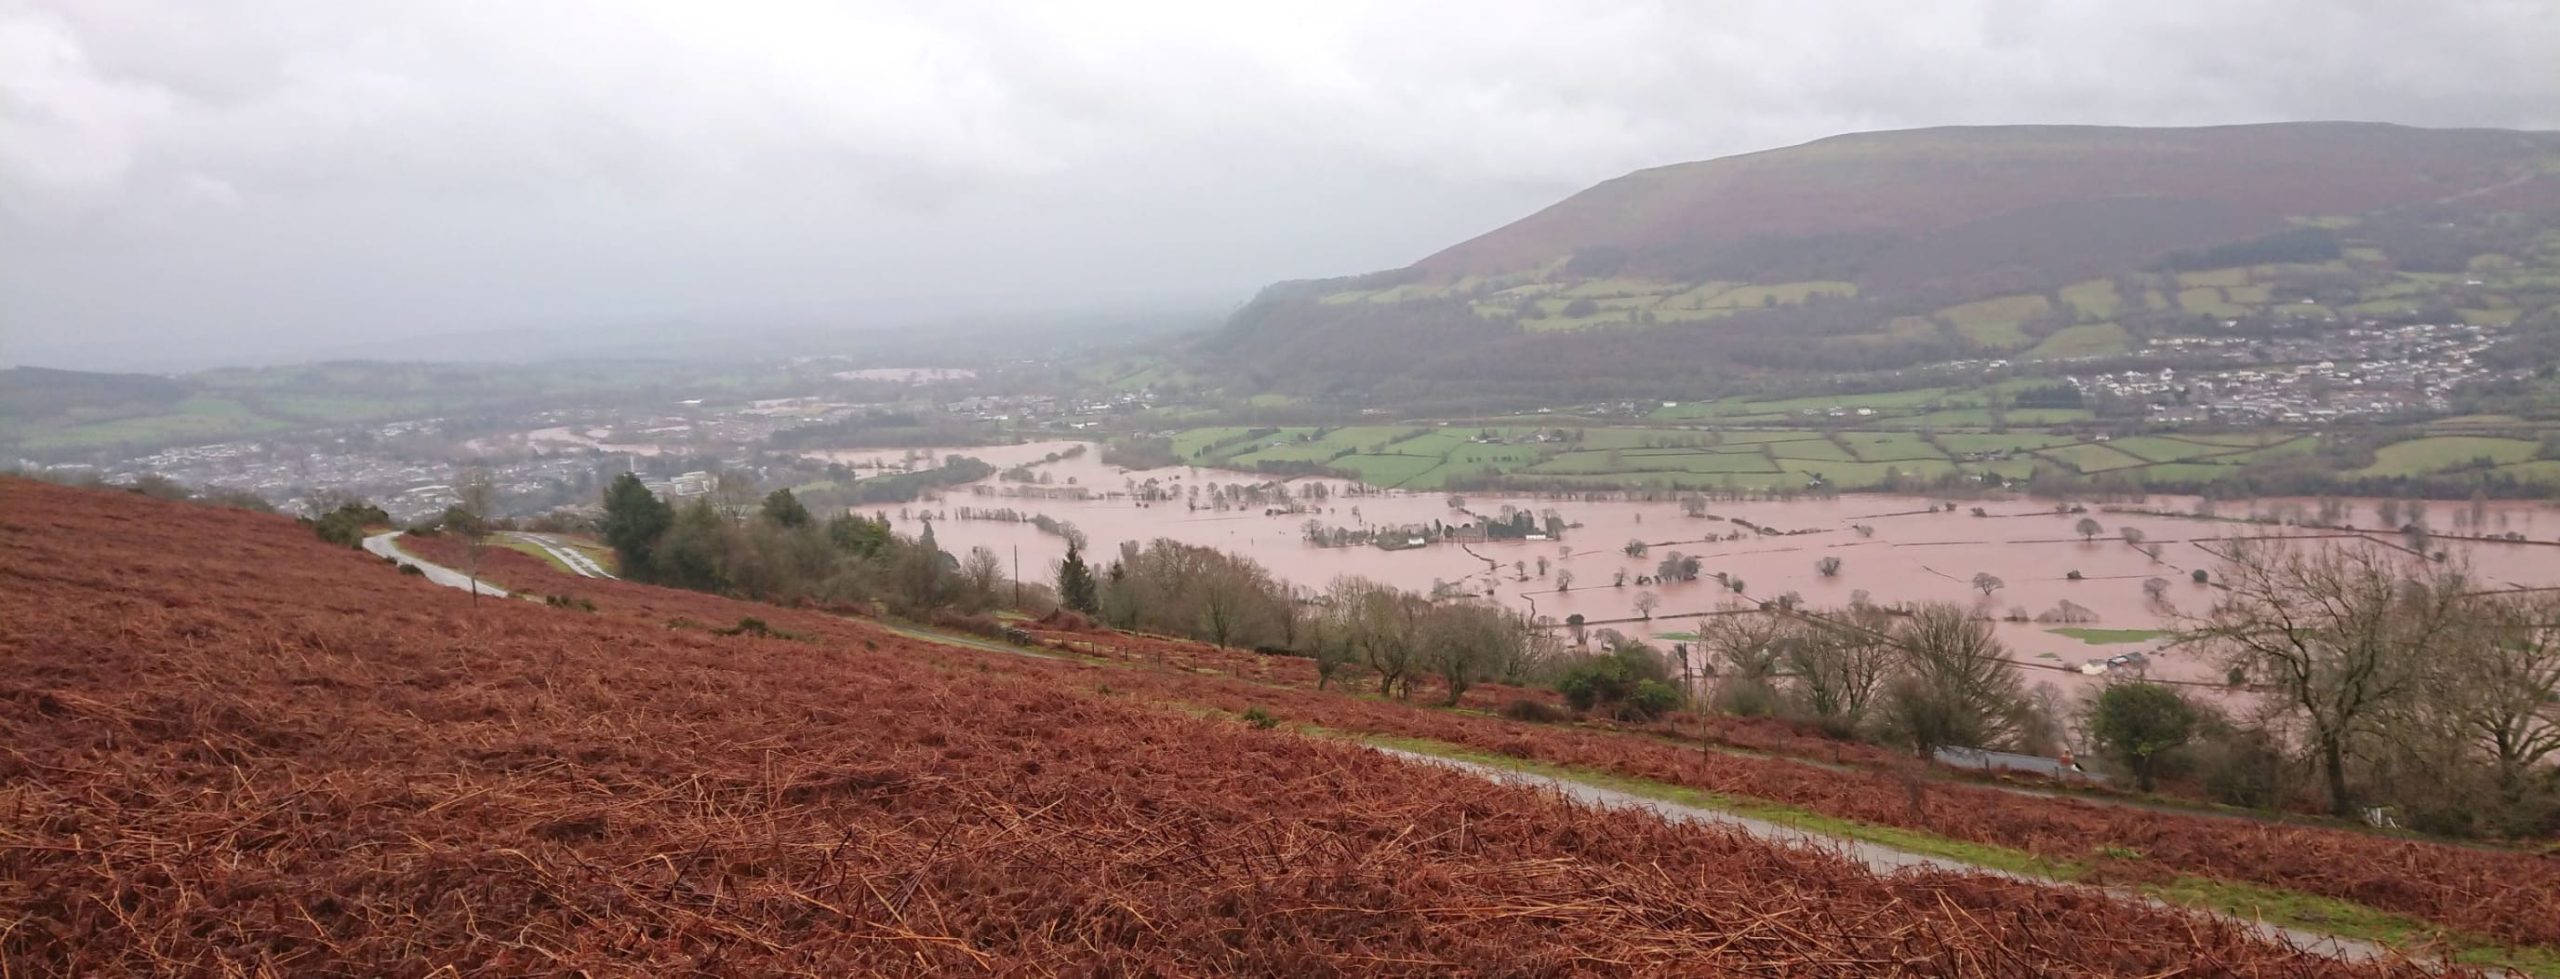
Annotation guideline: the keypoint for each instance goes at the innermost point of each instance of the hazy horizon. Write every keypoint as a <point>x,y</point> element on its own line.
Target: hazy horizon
<point>188,185</point>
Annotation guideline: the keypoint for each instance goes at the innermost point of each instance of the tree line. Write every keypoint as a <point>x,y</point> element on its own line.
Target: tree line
<point>2373,684</point>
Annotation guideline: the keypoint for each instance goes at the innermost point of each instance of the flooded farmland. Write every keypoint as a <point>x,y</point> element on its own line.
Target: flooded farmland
<point>1893,548</point>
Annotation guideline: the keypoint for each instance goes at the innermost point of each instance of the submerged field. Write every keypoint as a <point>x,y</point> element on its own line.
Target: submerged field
<point>236,749</point>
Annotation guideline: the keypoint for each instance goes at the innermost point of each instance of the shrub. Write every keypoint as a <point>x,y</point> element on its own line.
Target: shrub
<point>1746,698</point>
<point>1532,710</point>
<point>1649,700</point>
<point>411,569</point>
<point>2240,768</point>
<point>345,525</point>
<point>1259,719</point>
<point>1610,679</point>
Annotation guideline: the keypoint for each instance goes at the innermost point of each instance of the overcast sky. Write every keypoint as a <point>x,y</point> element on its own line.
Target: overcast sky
<point>198,181</point>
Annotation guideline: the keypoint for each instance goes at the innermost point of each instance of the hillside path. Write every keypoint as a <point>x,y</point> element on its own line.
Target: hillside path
<point>387,545</point>
<point>1880,859</point>
<point>569,557</point>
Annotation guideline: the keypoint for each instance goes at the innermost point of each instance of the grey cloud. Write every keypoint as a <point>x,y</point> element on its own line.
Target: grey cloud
<point>183,182</point>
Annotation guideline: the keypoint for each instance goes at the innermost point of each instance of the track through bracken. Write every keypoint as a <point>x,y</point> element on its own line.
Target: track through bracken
<point>229,749</point>
<point>2503,895</point>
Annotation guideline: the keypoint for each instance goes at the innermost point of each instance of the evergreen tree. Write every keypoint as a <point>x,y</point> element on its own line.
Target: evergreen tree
<point>1075,583</point>
<point>634,519</point>
<point>784,510</point>
<point>860,536</point>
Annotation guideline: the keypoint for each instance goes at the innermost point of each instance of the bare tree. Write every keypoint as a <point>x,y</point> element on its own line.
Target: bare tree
<point>1828,567</point>
<point>1385,627</point>
<point>1839,665</point>
<point>734,492</point>
<point>476,499</point>
<point>982,572</point>
<point>1988,582</point>
<point>1226,597</point>
<point>1466,642</point>
<point>2088,528</point>
<point>2155,589</point>
<point>2131,535</point>
<point>2501,688</point>
<point>1646,602</point>
<point>1564,579</point>
<point>1330,634</point>
<point>2337,634</point>
<point>1956,685</point>
<point>1746,648</point>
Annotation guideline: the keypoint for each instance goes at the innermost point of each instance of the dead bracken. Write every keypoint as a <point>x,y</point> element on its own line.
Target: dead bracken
<point>232,749</point>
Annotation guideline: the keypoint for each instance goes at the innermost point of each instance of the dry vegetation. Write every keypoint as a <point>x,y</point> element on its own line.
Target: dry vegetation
<point>227,748</point>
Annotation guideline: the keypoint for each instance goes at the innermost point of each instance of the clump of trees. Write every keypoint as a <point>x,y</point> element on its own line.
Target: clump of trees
<point>784,553</point>
<point>2139,725</point>
<point>1629,681</point>
<point>2404,685</point>
<point>345,524</point>
<point>1928,678</point>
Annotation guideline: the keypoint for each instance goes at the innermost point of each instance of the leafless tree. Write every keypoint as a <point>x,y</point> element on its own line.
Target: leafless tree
<point>982,572</point>
<point>1839,664</point>
<point>1646,602</point>
<point>1988,582</point>
<point>2501,687</point>
<point>2155,589</point>
<point>1955,685</point>
<point>734,492</point>
<point>476,496</point>
<point>2337,633</point>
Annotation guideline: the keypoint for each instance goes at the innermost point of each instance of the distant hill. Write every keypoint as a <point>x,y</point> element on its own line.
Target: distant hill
<point>1906,207</point>
<point>41,392</point>
<point>1890,236</point>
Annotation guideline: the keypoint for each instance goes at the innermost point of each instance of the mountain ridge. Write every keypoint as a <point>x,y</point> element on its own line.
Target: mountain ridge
<point>1874,251</point>
<point>1687,193</point>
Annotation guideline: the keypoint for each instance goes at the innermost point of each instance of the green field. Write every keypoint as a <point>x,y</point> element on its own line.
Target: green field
<point>1966,443</point>
<point>1818,450</point>
<point>2095,297</point>
<point>2092,457</point>
<point>2434,454</point>
<point>2157,448</point>
<point>2084,340</point>
<point>1890,447</point>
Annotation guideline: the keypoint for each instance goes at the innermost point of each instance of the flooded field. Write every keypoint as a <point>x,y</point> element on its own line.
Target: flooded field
<point>1893,548</point>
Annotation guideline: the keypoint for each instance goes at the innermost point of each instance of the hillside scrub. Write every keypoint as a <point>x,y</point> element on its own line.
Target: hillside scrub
<point>416,787</point>
<point>2503,894</point>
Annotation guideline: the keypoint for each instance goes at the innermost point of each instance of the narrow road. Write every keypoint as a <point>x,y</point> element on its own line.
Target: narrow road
<point>570,557</point>
<point>1880,859</point>
<point>387,545</point>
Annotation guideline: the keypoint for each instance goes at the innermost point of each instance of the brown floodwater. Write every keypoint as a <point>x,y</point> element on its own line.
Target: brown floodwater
<point>1909,555</point>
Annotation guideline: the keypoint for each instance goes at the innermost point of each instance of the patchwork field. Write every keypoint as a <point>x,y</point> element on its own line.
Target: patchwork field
<point>1760,445</point>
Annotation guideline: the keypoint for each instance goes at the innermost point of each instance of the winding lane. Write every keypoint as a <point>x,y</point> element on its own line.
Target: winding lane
<point>386,544</point>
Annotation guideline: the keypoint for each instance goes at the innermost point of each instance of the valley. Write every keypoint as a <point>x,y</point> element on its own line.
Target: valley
<point>1891,549</point>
